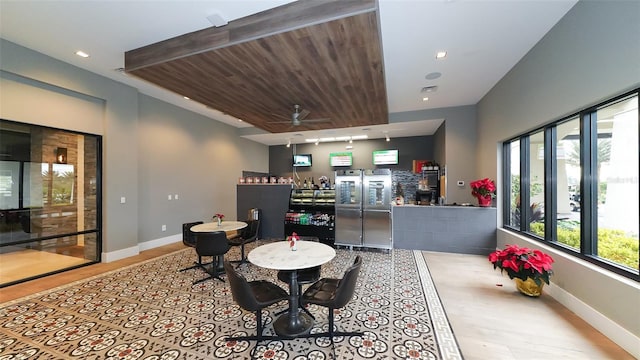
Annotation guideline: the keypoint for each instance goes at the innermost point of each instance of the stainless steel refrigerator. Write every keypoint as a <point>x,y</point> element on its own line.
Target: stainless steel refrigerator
<point>363,208</point>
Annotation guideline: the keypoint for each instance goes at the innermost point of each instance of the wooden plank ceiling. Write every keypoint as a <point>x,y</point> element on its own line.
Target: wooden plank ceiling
<point>325,56</point>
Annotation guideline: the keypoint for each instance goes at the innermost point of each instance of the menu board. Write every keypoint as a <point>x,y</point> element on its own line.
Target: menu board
<point>385,157</point>
<point>341,159</point>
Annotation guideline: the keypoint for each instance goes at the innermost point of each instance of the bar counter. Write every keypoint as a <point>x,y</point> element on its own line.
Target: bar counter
<point>454,229</point>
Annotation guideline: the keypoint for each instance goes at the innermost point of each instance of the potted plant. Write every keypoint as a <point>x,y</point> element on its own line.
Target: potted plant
<point>530,268</point>
<point>484,190</point>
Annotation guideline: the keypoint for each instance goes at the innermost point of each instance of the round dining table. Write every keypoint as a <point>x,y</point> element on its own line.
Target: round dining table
<point>224,226</point>
<point>279,256</point>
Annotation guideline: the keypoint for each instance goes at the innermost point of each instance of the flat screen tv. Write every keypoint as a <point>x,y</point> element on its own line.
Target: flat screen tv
<point>341,159</point>
<point>385,157</point>
<point>302,160</point>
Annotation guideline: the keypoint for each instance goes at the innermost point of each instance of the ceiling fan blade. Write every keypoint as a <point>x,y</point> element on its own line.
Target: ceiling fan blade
<point>279,122</point>
<point>281,117</point>
<point>303,114</point>
<point>316,120</point>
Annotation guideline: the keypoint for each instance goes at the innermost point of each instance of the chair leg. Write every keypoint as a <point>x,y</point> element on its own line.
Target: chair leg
<point>331,334</point>
<point>243,258</point>
<point>195,265</point>
<point>213,273</point>
<point>258,336</point>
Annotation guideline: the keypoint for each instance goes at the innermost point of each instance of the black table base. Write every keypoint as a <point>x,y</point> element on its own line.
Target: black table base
<point>287,327</point>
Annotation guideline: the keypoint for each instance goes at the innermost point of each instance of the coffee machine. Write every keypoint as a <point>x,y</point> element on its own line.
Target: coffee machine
<point>425,197</point>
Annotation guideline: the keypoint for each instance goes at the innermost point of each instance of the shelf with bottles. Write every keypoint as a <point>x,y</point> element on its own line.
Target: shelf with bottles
<point>307,218</point>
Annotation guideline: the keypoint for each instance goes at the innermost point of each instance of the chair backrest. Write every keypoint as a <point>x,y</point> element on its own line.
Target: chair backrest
<point>211,243</point>
<point>240,289</point>
<point>187,235</point>
<point>250,233</point>
<point>347,286</point>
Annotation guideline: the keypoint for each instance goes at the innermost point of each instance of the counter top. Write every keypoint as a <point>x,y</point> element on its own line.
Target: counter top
<point>447,206</point>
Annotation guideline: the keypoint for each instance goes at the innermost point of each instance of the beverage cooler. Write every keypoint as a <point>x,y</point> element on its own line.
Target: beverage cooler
<point>311,213</point>
<point>363,208</point>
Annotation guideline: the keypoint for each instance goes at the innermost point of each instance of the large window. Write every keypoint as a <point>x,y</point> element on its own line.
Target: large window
<point>574,184</point>
<point>49,200</point>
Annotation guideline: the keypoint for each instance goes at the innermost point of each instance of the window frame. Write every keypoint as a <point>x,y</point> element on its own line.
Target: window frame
<point>588,186</point>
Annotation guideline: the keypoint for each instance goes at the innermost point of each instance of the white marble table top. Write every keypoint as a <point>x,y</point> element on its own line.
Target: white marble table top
<point>213,226</point>
<point>278,255</point>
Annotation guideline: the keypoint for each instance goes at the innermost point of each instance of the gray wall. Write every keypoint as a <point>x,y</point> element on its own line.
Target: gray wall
<point>119,120</point>
<point>193,156</point>
<point>459,146</point>
<point>593,53</point>
<point>151,149</point>
<point>409,149</point>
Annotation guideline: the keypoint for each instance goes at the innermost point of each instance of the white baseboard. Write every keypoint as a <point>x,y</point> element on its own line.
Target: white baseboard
<point>108,257</point>
<point>151,244</point>
<point>135,250</point>
<point>610,329</point>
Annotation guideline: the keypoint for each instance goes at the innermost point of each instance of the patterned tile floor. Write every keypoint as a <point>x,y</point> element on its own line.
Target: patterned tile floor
<point>151,311</point>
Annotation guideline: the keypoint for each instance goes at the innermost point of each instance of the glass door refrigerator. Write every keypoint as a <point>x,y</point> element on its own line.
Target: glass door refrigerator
<point>363,208</point>
<point>348,216</point>
<point>376,209</point>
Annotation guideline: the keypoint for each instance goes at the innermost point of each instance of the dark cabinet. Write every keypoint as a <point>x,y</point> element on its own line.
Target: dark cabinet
<point>311,213</point>
<point>273,202</point>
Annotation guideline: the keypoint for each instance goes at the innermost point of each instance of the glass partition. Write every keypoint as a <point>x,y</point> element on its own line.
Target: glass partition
<point>49,195</point>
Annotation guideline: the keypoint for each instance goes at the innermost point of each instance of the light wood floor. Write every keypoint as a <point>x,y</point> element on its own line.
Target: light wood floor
<point>22,263</point>
<point>498,323</point>
<point>489,321</point>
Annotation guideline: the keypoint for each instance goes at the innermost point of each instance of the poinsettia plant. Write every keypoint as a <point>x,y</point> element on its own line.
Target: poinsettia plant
<point>483,187</point>
<point>522,262</point>
<point>218,216</point>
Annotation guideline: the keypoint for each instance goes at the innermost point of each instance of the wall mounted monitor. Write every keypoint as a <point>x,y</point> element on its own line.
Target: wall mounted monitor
<point>385,157</point>
<point>341,159</point>
<point>301,160</point>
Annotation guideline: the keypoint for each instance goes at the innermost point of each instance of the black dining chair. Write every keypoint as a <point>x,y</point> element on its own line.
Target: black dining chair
<point>253,296</point>
<point>305,276</point>
<point>213,244</point>
<point>245,236</point>
<point>189,239</point>
<point>334,294</point>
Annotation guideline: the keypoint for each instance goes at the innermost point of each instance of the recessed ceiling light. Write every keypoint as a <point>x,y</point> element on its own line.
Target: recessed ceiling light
<point>425,99</point>
<point>441,54</point>
<point>428,89</point>
<point>82,54</point>
<point>186,98</point>
<point>433,75</point>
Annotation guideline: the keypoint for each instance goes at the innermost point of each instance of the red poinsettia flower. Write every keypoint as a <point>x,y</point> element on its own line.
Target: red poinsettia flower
<point>218,216</point>
<point>483,187</point>
<point>522,263</point>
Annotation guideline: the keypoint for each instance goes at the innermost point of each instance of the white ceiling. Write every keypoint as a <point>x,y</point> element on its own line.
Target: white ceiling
<point>483,40</point>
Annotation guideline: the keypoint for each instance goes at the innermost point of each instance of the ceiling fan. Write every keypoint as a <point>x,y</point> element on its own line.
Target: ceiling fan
<point>298,117</point>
